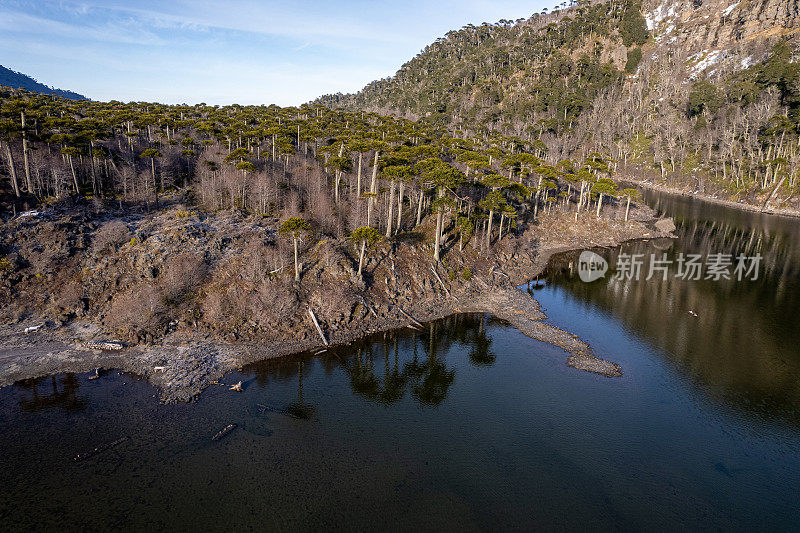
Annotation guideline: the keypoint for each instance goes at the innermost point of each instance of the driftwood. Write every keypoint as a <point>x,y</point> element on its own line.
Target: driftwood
<point>446,290</point>
<point>411,318</point>
<point>268,408</point>
<point>319,329</point>
<point>99,449</point>
<point>369,307</point>
<point>112,346</point>
<point>775,190</point>
<point>224,431</point>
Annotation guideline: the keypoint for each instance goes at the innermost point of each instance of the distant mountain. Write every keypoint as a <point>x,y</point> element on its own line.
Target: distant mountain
<point>17,80</point>
<point>694,93</point>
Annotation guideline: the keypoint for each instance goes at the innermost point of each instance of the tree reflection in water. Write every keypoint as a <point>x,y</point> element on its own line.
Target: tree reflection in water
<point>427,377</point>
<point>66,398</point>
<point>299,408</point>
<point>740,339</point>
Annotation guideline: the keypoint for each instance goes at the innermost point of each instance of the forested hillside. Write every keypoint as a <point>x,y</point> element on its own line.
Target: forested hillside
<point>17,80</point>
<point>146,215</point>
<point>702,94</point>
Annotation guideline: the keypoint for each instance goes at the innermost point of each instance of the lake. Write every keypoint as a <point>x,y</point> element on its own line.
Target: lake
<point>466,425</point>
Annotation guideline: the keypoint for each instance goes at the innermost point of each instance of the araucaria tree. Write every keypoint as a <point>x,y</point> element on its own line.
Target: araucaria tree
<point>363,237</point>
<point>295,228</point>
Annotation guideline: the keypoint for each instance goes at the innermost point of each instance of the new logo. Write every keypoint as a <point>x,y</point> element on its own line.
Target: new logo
<point>591,266</point>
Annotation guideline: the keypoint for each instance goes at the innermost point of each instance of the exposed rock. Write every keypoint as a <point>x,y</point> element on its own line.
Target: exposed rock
<point>665,225</point>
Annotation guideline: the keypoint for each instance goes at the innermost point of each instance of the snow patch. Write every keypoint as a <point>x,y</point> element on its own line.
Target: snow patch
<point>727,10</point>
<point>702,60</point>
<point>658,15</point>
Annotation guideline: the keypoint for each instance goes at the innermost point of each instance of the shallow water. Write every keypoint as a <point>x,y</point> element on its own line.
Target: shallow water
<point>466,425</point>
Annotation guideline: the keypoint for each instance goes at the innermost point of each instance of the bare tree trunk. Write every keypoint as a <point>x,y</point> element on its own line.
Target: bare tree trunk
<point>390,217</point>
<point>361,257</point>
<point>358,179</point>
<point>372,187</point>
<point>28,182</point>
<point>400,207</point>
<point>296,264</point>
<point>74,176</point>
<point>489,229</point>
<point>155,184</point>
<point>12,170</point>
<point>419,206</point>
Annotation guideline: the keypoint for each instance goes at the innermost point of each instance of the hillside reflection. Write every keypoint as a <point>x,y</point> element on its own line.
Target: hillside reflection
<point>743,345</point>
<point>387,367</point>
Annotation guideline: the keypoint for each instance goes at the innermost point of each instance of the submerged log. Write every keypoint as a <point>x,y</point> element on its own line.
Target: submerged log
<point>224,431</point>
<point>99,449</point>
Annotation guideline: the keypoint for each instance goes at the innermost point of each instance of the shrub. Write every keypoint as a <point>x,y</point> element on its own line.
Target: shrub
<point>182,274</point>
<point>110,235</point>
<point>467,274</point>
<point>142,309</point>
<point>634,57</point>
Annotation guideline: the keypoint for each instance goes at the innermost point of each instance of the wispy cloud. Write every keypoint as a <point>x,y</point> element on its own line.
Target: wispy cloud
<point>246,51</point>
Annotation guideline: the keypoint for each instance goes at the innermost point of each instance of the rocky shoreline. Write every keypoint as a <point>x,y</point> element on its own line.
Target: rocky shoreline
<point>649,184</point>
<point>184,362</point>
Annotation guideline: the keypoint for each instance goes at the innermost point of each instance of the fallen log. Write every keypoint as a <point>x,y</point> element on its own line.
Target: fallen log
<point>446,290</point>
<point>110,346</point>
<point>319,329</point>
<point>411,318</point>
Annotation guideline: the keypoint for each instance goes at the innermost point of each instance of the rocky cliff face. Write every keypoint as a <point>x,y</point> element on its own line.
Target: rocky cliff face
<point>721,35</point>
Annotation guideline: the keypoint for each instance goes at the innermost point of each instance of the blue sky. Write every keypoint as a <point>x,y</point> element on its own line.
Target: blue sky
<point>234,51</point>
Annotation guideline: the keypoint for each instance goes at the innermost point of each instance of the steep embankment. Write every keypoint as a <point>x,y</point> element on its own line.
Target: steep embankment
<point>189,293</point>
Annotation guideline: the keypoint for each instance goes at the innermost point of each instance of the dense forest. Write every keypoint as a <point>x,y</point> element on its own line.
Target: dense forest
<point>147,217</point>
<point>340,170</point>
<point>606,77</point>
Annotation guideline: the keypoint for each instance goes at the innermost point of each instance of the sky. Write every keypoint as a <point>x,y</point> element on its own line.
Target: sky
<point>228,51</point>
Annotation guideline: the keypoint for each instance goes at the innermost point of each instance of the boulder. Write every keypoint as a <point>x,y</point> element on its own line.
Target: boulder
<point>665,225</point>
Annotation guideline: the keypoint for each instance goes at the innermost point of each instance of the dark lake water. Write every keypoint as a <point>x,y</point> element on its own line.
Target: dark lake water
<point>468,425</point>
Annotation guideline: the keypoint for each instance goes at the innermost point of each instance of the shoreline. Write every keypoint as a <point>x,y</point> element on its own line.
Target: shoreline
<point>646,184</point>
<point>182,365</point>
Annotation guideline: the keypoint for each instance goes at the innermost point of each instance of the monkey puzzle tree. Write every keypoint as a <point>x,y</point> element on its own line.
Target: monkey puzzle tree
<point>464,228</point>
<point>295,228</point>
<point>493,202</point>
<point>364,236</point>
<point>629,194</point>
<point>443,177</point>
<point>603,187</point>
<point>395,174</point>
<point>152,154</point>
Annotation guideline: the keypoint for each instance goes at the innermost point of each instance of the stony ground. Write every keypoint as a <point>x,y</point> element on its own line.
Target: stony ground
<point>232,300</point>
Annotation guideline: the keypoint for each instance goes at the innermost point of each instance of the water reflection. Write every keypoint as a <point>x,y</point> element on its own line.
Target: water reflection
<point>742,345</point>
<point>298,408</point>
<point>45,393</point>
<point>387,367</point>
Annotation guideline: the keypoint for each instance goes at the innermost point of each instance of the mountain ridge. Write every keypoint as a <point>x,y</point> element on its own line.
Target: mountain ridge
<point>18,80</point>
<point>688,92</point>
